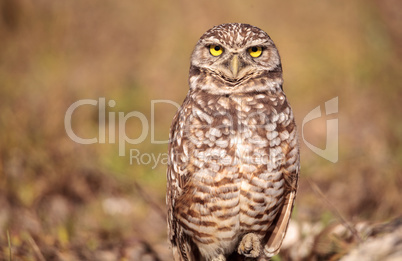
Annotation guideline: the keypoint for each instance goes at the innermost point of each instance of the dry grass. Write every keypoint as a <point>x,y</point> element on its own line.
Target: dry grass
<point>65,201</point>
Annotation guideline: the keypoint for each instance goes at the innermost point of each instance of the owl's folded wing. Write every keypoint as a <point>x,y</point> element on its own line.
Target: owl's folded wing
<point>279,226</point>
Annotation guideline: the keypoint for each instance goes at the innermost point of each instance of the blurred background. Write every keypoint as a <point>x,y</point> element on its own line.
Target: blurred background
<point>62,200</point>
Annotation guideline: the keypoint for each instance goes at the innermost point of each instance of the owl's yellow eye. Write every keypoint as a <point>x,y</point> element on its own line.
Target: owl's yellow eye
<point>255,51</point>
<point>215,50</point>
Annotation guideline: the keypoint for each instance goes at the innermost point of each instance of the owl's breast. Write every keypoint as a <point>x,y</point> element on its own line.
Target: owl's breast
<point>234,152</point>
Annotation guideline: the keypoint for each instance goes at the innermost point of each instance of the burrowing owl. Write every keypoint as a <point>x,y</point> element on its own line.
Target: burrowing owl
<point>233,153</point>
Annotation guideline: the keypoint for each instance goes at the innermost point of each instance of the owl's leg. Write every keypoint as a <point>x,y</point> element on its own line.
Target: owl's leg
<point>250,246</point>
<point>219,258</point>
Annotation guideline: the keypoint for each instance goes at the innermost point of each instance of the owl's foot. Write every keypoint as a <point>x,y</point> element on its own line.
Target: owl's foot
<point>250,246</point>
<point>219,258</point>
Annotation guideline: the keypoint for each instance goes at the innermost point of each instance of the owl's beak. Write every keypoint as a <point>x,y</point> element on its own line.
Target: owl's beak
<point>234,66</point>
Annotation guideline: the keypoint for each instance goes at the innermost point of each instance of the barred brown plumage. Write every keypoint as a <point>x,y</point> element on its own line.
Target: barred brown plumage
<point>233,152</point>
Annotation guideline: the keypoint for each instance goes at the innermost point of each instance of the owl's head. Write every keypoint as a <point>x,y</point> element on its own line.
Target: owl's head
<point>232,58</point>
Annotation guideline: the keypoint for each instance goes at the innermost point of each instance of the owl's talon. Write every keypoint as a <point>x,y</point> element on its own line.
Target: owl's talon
<point>250,246</point>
